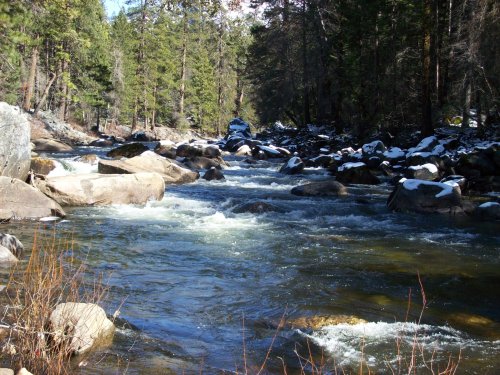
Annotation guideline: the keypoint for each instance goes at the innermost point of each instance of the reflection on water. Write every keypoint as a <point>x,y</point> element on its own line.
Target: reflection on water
<point>189,269</point>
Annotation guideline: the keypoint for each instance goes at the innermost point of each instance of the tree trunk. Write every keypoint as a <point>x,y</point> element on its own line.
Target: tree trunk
<point>182,87</point>
<point>305,78</point>
<point>220,71</point>
<point>43,98</point>
<point>31,79</point>
<point>426,68</point>
<point>63,90</point>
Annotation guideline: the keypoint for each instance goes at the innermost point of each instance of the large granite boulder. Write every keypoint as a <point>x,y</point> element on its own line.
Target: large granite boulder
<point>96,189</point>
<point>128,150</point>
<point>375,148</point>
<point>188,151</point>
<point>320,189</point>
<point>80,326</point>
<point>166,149</point>
<point>15,150</point>
<point>50,145</point>
<point>171,171</point>
<point>238,127</point>
<point>356,173</point>
<point>19,201</point>
<point>425,197</point>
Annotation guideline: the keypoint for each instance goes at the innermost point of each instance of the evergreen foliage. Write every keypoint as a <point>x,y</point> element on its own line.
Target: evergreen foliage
<point>193,63</point>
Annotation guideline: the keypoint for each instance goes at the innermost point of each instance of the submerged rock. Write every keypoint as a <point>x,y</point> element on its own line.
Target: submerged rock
<point>317,322</point>
<point>171,171</point>
<point>256,208</point>
<point>425,197</point>
<point>96,189</point>
<point>19,201</point>
<point>80,325</point>
<point>320,189</point>
<point>15,150</point>
<point>129,150</point>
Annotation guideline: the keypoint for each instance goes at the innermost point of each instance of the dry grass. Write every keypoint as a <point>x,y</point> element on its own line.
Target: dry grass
<point>51,277</point>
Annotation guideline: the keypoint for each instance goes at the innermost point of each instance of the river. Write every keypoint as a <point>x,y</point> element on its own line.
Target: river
<point>203,288</point>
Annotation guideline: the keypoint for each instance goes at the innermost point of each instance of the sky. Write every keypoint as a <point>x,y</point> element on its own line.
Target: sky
<point>113,6</point>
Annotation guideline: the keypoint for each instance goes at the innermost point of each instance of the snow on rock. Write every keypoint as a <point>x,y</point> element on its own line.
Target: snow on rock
<point>356,173</point>
<point>412,195</point>
<point>375,148</point>
<point>351,165</point>
<point>293,166</point>
<point>426,171</point>
<point>394,154</point>
<point>488,211</point>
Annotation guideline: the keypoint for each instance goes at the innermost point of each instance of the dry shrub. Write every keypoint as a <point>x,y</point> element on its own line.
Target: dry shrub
<point>52,276</point>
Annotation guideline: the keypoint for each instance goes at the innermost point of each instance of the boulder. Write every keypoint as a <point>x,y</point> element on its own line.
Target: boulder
<point>213,174</point>
<point>15,150</point>
<point>375,148</point>
<point>96,189</point>
<point>293,166</point>
<point>171,171</point>
<point>425,145</point>
<point>19,201</point>
<point>426,171</point>
<point>477,162</point>
<point>488,211</point>
<point>270,151</point>
<point>6,257</point>
<point>256,208</point>
<point>238,127</point>
<point>79,325</point>
<point>211,151</point>
<point>356,173</point>
<point>394,154</point>
<point>201,162</point>
<point>425,197</point>
<point>324,161</point>
<point>51,145</point>
<point>244,150</point>
<point>42,166</point>
<point>129,150</point>
<point>166,149</point>
<point>320,189</point>
<point>188,151</point>
<point>11,243</point>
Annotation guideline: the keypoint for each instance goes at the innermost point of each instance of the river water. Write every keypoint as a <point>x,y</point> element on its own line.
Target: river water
<point>203,288</point>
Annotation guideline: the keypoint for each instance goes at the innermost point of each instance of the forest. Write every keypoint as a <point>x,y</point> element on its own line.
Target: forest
<point>349,64</point>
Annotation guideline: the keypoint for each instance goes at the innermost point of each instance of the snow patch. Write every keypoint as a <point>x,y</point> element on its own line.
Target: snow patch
<point>351,165</point>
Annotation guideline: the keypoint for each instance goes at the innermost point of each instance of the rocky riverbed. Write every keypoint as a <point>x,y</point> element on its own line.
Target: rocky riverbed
<point>192,256</point>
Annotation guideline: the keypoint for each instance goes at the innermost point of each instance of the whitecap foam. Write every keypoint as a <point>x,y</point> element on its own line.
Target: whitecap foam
<point>65,167</point>
<point>349,344</point>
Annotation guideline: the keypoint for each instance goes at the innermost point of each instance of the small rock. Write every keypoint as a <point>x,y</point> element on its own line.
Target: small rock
<point>80,325</point>
<point>428,172</point>
<point>293,166</point>
<point>244,150</point>
<point>6,256</point>
<point>42,166</point>
<point>213,174</point>
<point>488,211</point>
<point>89,159</point>
<point>12,244</point>
<point>356,173</point>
